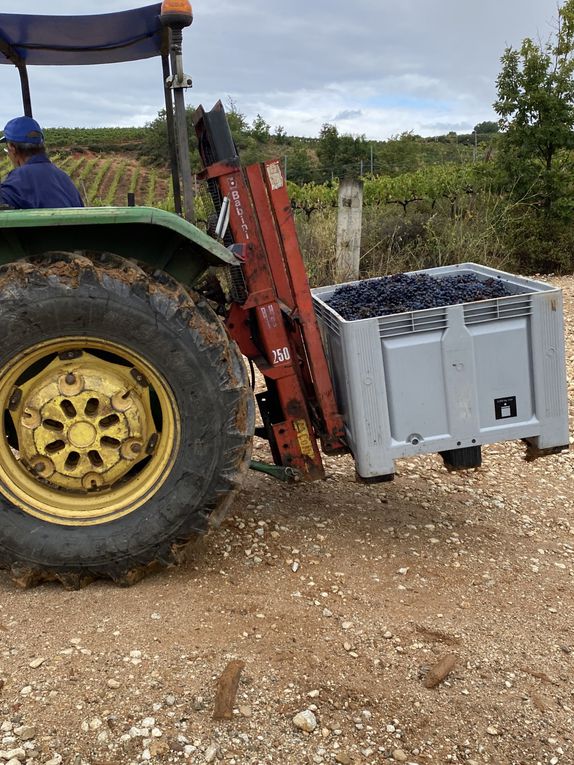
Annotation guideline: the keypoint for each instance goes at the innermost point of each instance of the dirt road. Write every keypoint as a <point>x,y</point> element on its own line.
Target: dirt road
<point>339,599</point>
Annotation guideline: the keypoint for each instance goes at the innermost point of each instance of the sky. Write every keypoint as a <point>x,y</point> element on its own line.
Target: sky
<point>371,67</point>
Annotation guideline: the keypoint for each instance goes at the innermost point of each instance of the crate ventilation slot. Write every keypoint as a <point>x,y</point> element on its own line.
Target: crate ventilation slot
<point>418,321</point>
<point>493,310</point>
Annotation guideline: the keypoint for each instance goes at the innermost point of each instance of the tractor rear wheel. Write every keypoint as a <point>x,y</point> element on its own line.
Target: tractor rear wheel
<point>126,415</point>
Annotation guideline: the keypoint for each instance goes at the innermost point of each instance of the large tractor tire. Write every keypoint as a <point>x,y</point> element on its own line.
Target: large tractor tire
<point>127,419</point>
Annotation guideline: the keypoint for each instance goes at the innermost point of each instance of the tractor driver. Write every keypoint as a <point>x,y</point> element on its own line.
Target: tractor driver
<point>34,182</point>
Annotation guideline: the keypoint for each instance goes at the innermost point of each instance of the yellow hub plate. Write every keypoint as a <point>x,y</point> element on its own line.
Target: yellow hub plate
<point>91,434</point>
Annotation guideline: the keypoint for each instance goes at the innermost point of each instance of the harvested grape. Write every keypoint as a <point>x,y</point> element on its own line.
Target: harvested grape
<point>412,292</point>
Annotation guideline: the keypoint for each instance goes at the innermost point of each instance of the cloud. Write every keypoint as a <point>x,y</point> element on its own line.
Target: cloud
<point>347,114</point>
<point>376,66</point>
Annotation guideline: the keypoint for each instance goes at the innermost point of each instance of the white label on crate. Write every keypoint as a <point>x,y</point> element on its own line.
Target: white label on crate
<point>505,407</point>
<point>275,175</point>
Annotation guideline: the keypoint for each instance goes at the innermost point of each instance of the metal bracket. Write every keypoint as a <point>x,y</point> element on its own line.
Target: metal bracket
<point>174,81</point>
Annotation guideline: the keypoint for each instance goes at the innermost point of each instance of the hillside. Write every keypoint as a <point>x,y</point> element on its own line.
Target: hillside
<point>107,178</point>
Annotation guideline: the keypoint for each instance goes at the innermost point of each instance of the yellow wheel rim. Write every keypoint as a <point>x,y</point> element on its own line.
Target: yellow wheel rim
<point>90,431</point>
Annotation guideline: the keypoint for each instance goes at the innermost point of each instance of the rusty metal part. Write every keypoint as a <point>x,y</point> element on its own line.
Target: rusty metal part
<point>274,322</point>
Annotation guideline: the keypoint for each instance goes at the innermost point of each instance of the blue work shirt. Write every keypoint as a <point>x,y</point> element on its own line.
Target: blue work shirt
<point>39,183</point>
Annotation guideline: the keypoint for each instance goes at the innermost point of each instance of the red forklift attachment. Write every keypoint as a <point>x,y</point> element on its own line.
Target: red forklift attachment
<point>272,317</point>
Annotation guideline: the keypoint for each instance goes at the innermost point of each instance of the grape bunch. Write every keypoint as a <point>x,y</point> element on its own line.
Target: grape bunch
<point>411,292</point>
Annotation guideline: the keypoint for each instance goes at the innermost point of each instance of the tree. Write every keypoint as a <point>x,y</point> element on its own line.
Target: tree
<point>536,108</point>
<point>260,130</point>
<point>486,127</point>
<point>327,148</point>
<point>340,155</point>
<point>155,146</point>
<point>237,122</point>
<point>280,135</point>
<point>301,167</point>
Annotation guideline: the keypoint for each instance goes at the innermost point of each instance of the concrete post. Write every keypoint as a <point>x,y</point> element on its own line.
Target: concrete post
<point>349,224</point>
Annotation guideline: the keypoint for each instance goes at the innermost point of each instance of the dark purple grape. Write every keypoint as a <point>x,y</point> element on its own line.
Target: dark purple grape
<point>412,292</point>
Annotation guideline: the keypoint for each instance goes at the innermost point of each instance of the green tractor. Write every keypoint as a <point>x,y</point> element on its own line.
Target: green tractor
<point>127,410</point>
<point>127,415</point>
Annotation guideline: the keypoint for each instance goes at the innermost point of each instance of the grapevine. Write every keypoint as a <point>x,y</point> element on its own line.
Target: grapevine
<point>112,191</point>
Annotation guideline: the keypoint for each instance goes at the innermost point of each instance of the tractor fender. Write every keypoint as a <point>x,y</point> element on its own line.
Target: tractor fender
<point>157,237</point>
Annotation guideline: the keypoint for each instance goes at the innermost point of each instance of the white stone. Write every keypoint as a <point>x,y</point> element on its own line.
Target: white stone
<point>25,732</point>
<point>305,721</point>
<point>15,754</point>
<point>56,760</point>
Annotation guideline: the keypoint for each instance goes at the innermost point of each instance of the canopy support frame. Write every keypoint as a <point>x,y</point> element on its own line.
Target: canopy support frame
<point>13,56</point>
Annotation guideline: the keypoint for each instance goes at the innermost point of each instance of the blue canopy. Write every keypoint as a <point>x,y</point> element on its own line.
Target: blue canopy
<point>72,40</point>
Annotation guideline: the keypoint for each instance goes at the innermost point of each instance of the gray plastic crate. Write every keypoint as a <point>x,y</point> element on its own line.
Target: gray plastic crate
<point>451,377</point>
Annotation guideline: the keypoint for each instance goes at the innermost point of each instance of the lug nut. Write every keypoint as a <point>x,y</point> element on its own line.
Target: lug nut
<point>139,377</point>
<point>15,399</point>
<point>69,355</point>
<point>152,443</point>
<point>70,384</point>
<point>42,467</point>
<point>130,449</point>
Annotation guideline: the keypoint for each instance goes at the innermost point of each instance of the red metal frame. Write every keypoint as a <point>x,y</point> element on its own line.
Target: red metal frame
<point>275,326</point>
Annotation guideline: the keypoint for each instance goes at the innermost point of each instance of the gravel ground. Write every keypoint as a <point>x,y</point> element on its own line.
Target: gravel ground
<point>339,600</point>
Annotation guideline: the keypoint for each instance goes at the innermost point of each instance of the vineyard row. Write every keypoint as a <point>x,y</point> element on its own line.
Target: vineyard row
<point>107,179</point>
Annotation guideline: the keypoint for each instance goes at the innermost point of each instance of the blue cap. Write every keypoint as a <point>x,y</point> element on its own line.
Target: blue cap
<point>23,130</point>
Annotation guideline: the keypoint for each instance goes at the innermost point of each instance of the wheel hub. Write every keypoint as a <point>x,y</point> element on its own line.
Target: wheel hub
<point>84,424</point>
<point>82,434</point>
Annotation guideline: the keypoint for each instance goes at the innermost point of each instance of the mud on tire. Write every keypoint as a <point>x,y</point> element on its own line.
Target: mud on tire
<point>78,339</point>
